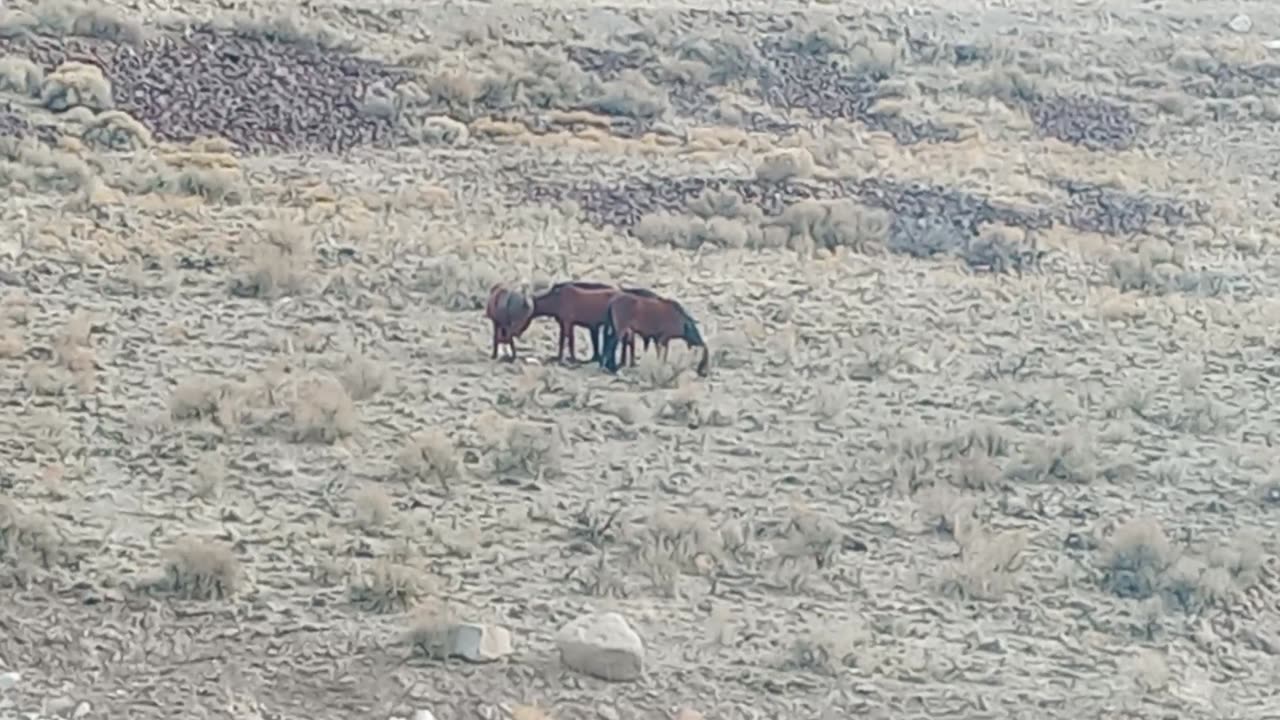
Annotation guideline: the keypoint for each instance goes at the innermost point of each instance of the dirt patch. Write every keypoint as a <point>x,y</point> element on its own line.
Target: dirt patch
<point>256,92</point>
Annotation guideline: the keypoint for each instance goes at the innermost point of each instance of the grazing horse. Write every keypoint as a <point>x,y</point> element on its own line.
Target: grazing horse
<point>580,303</point>
<point>510,311</point>
<point>657,317</point>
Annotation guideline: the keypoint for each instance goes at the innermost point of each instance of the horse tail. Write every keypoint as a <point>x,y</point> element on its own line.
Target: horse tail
<point>609,332</point>
<point>694,339</point>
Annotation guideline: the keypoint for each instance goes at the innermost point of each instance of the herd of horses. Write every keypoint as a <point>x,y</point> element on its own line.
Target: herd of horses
<point>613,315</point>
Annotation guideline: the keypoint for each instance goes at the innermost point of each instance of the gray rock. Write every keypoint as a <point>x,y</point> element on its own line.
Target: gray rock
<point>602,645</point>
<point>478,643</point>
<point>1240,24</point>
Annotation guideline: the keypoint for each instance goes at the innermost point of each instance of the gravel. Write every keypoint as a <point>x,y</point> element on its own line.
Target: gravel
<point>257,93</point>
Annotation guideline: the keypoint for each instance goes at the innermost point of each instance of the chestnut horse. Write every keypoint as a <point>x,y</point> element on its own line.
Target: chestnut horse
<point>657,317</point>
<point>510,312</point>
<point>580,303</point>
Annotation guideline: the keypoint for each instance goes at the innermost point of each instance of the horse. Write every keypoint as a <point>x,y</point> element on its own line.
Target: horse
<point>580,303</point>
<point>510,311</point>
<point>657,317</point>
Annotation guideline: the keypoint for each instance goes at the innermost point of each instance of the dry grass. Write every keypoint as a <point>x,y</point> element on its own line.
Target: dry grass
<point>389,587</point>
<point>200,569</point>
<point>323,411</point>
<point>430,456</point>
<point>266,374</point>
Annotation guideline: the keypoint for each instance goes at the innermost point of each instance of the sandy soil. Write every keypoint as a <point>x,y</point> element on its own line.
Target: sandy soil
<point>253,436</point>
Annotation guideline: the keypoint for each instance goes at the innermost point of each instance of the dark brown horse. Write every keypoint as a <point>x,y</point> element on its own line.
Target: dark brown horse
<point>510,312</point>
<point>580,303</point>
<point>660,318</point>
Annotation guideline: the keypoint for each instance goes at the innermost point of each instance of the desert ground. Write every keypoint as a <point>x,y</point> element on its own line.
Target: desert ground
<point>991,292</point>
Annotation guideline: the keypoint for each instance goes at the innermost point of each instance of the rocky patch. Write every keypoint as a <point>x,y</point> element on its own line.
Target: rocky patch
<point>256,92</point>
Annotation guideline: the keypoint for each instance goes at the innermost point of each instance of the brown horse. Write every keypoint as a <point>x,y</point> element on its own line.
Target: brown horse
<point>510,312</point>
<point>662,319</point>
<point>580,303</point>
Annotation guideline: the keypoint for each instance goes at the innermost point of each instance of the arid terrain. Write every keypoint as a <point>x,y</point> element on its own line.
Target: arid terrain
<point>991,291</point>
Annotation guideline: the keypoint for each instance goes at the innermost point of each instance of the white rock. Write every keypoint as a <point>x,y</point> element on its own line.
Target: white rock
<point>478,643</point>
<point>1240,24</point>
<point>423,715</point>
<point>1272,44</point>
<point>602,645</point>
<point>82,710</point>
<point>9,679</point>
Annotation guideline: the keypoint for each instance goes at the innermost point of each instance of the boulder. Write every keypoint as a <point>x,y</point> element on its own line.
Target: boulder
<point>602,645</point>
<point>478,643</point>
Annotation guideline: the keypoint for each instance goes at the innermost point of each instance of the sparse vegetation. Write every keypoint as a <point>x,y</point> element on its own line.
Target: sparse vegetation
<point>990,317</point>
<point>200,569</point>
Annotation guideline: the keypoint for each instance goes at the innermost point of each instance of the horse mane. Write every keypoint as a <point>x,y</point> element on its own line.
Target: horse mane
<point>584,284</point>
<point>642,292</point>
<point>681,309</point>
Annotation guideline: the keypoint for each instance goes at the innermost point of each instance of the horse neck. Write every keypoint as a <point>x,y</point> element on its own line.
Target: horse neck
<point>546,304</point>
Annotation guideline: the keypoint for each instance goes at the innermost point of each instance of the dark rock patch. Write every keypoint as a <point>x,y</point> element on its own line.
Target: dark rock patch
<point>1090,122</point>
<point>1094,208</point>
<point>12,124</point>
<point>258,93</point>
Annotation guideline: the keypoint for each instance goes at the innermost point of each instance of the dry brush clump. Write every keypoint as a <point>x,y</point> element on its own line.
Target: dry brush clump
<point>829,648</point>
<point>372,509</point>
<point>830,224</point>
<point>671,543</point>
<point>20,76</point>
<point>1158,273</point>
<point>198,396</point>
<point>507,79</point>
<point>1069,457</point>
<point>116,130</point>
<point>720,218</point>
<point>75,84</point>
<point>691,405</point>
<point>807,543</point>
<point>279,261</point>
<point>28,538</point>
<point>429,456</point>
<point>389,587</point>
<point>456,283</point>
<point>509,445</point>
<point>323,411</point>
<point>31,164</point>
<point>988,565</point>
<point>62,18</point>
<point>1139,561</point>
<point>364,377</point>
<point>204,168</point>
<point>199,569</point>
<point>968,457</point>
<point>431,628</point>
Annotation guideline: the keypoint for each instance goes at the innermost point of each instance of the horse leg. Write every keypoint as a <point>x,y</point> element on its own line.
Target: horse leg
<point>563,332</point>
<point>573,348</point>
<point>597,333</point>
<point>494,356</point>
